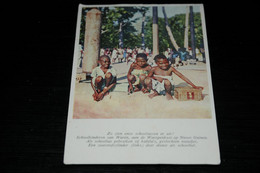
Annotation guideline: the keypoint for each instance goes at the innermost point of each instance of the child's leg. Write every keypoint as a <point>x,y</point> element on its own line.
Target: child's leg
<point>148,83</point>
<point>168,88</point>
<point>142,78</point>
<point>155,93</point>
<point>108,78</point>
<point>98,83</point>
<point>131,78</point>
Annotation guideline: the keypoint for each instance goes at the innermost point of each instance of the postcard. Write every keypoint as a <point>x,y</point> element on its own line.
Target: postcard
<point>141,89</point>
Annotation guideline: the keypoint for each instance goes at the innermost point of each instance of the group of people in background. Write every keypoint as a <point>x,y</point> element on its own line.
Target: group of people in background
<point>183,56</point>
<point>124,54</point>
<point>176,58</point>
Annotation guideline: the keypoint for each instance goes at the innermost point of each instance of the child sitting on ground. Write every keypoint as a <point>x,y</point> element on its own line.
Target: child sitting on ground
<point>137,73</point>
<point>160,78</point>
<point>103,78</point>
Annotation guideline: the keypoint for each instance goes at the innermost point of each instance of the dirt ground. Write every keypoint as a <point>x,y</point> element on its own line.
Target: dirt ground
<point>118,104</point>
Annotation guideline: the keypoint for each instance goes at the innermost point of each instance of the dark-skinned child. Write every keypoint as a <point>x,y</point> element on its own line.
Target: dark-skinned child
<point>103,78</point>
<point>160,79</point>
<point>137,73</point>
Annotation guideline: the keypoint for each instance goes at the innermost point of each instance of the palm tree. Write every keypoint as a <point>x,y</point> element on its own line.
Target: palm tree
<point>175,45</point>
<point>192,33</point>
<point>155,32</point>
<point>186,33</point>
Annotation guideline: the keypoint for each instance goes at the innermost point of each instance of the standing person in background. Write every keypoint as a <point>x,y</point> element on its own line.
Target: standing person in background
<point>120,54</point>
<point>114,55</point>
<point>124,54</point>
<point>102,51</point>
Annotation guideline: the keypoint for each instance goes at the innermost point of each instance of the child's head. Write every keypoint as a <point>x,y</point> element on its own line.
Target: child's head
<point>161,61</point>
<point>141,59</point>
<point>104,61</point>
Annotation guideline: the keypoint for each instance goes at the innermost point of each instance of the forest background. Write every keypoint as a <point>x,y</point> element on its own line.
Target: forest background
<point>132,26</point>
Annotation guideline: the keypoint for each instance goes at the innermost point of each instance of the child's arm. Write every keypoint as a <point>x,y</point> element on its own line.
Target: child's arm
<point>130,71</point>
<point>185,78</point>
<point>148,68</point>
<point>128,74</point>
<point>151,73</point>
<point>110,86</point>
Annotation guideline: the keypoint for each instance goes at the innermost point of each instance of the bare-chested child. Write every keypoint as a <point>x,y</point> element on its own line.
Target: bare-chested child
<point>160,78</point>
<point>103,78</point>
<point>137,73</point>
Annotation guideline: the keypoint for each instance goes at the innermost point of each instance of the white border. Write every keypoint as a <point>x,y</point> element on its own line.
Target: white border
<point>78,153</point>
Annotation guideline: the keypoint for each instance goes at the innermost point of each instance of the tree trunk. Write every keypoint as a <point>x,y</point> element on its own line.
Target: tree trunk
<point>155,32</point>
<point>143,43</point>
<point>175,45</point>
<point>186,33</point>
<point>92,41</point>
<point>121,43</point>
<point>192,33</point>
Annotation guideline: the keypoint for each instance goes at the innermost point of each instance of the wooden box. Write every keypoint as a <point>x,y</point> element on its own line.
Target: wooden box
<point>187,93</point>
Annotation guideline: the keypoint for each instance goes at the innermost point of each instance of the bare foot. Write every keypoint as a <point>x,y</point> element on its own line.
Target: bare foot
<point>153,95</point>
<point>136,89</point>
<point>144,90</point>
<point>169,96</point>
<point>94,96</point>
<point>130,89</point>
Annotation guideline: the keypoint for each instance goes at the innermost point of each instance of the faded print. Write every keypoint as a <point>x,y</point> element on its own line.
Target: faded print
<point>128,31</point>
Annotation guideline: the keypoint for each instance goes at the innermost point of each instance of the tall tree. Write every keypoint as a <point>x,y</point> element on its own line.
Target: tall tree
<point>169,30</point>
<point>121,41</point>
<point>143,10</point>
<point>143,42</point>
<point>186,34</point>
<point>131,38</point>
<point>155,32</point>
<point>192,33</point>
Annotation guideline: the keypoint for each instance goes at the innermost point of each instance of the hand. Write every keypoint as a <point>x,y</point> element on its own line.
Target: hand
<point>100,96</point>
<point>145,90</point>
<point>95,96</point>
<point>105,89</point>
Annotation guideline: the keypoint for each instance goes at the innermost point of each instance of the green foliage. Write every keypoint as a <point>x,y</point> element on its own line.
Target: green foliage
<point>177,25</point>
<point>111,18</point>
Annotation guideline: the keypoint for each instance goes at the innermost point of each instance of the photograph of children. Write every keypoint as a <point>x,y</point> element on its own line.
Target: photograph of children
<point>140,62</point>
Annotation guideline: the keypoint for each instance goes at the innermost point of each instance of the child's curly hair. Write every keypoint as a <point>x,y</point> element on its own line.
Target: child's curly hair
<point>159,56</point>
<point>103,56</point>
<point>142,55</point>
